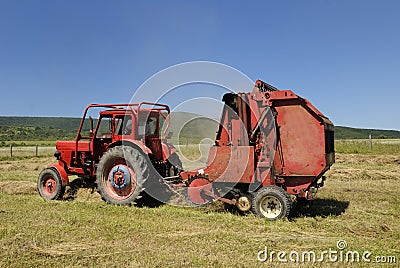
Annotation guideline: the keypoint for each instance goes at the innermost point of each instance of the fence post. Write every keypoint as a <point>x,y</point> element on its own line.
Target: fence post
<point>370,142</point>
<point>36,150</point>
<point>11,150</point>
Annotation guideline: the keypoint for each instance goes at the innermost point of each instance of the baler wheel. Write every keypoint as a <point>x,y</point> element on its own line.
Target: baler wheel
<point>121,174</point>
<point>244,202</point>
<point>49,184</point>
<point>272,203</point>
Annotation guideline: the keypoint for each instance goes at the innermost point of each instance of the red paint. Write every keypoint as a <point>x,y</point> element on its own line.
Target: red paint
<point>62,172</point>
<point>200,191</point>
<point>49,186</point>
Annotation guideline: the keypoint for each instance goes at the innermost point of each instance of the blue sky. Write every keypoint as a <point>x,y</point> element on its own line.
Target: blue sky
<point>344,56</point>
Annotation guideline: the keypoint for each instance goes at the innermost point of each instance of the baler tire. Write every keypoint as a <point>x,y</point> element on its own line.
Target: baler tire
<point>49,184</point>
<point>236,194</point>
<point>272,195</point>
<point>133,160</point>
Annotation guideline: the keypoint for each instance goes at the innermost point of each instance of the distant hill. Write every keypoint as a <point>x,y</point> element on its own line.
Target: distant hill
<point>196,128</point>
<point>14,128</point>
<point>192,128</point>
<point>360,133</point>
<point>66,123</point>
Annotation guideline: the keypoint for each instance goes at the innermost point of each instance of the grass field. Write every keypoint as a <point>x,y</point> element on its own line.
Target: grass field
<point>359,204</point>
<point>384,146</point>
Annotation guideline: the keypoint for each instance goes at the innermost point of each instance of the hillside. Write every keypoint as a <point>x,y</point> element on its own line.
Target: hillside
<point>66,123</point>
<point>53,128</point>
<point>191,128</point>
<point>360,133</point>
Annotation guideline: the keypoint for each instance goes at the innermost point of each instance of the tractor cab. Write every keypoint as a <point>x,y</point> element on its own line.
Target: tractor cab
<point>104,126</point>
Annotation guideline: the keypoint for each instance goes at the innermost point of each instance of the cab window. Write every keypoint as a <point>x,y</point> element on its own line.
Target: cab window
<point>104,127</point>
<point>123,125</point>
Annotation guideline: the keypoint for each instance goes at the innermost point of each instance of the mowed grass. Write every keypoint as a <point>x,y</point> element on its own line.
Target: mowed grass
<point>359,204</point>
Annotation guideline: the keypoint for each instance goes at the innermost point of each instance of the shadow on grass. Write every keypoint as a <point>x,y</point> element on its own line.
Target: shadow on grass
<point>75,185</point>
<point>320,207</point>
<point>148,201</point>
<point>80,183</point>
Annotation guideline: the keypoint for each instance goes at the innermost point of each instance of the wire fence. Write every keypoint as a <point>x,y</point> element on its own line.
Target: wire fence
<point>26,151</point>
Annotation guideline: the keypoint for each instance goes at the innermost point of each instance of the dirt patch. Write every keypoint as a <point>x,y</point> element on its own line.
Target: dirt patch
<point>63,249</point>
<point>20,187</point>
<point>182,234</point>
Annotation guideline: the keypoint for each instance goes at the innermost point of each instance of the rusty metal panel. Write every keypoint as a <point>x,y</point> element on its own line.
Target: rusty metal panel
<point>231,164</point>
<point>302,141</point>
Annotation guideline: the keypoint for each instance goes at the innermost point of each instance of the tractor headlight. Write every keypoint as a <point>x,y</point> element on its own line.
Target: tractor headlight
<point>57,155</point>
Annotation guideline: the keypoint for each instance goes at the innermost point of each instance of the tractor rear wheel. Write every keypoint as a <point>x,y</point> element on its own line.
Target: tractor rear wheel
<point>121,174</point>
<point>49,184</point>
<point>272,203</point>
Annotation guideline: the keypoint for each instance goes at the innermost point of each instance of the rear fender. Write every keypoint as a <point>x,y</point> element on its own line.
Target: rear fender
<point>132,143</point>
<point>62,172</point>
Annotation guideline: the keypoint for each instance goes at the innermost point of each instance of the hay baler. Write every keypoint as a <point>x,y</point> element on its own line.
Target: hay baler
<point>272,148</point>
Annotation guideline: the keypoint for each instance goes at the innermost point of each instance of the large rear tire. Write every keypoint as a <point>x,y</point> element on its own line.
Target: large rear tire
<point>121,174</point>
<point>49,184</point>
<point>272,203</point>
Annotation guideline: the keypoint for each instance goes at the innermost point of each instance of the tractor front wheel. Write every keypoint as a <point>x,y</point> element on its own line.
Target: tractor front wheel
<point>272,203</point>
<point>49,184</point>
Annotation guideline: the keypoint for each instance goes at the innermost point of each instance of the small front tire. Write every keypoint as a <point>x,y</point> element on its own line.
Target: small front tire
<point>49,184</point>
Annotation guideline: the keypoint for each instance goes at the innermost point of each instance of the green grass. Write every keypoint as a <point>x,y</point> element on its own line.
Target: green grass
<point>385,146</point>
<point>359,204</point>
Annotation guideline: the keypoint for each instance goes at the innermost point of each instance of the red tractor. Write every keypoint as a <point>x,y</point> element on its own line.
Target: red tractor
<point>272,147</point>
<point>119,154</point>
